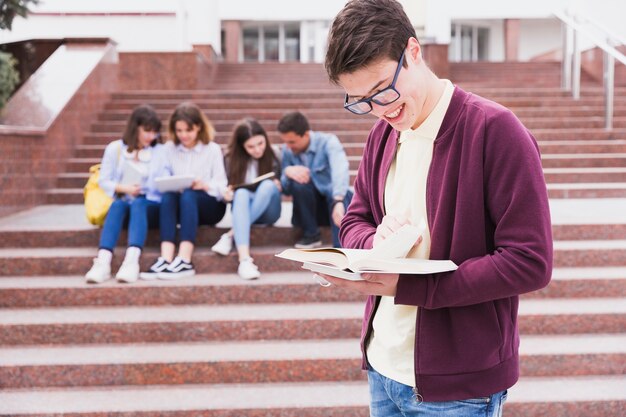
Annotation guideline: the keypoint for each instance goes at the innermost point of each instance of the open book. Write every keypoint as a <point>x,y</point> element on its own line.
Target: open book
<point>255,182</point>
<point>387,257</point>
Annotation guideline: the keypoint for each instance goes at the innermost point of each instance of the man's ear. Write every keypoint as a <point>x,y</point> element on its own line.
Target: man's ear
<point>414,50</point>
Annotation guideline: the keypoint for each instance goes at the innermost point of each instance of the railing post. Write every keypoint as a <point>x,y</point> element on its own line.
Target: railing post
<point>576,67</point>
<point>566,64</point>
<point>609,89</point>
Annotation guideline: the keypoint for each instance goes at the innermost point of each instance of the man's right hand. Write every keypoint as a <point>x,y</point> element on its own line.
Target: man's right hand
<point>298,173</point>
<point>388,226</point>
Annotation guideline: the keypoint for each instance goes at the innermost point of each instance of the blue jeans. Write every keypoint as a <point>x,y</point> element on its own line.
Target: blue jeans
<point>311,209</point>
<point>191,208</point>
<point>137,215</point>
<point>254,207</point>
<point>389,398</point>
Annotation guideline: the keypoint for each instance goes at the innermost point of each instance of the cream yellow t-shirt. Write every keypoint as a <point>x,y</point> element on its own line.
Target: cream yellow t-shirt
<point>391,344</point>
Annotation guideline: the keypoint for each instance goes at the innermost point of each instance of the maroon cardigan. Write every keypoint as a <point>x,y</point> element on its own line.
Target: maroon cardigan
<point>488,211</point>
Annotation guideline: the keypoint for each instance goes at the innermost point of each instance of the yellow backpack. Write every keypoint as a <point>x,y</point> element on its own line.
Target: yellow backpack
<point>97,202</point>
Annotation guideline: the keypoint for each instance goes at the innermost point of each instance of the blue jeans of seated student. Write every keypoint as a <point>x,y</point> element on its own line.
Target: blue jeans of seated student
<point>138,215</point>
<point>311,209</point>
<point>261,206</point>
<point>389,398</point>
<point>190,208</point>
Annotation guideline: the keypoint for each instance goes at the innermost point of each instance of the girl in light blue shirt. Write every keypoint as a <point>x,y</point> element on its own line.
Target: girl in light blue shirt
<point>124,174</point>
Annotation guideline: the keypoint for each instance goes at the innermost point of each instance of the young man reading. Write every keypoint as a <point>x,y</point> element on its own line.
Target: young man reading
<point>441,344</point>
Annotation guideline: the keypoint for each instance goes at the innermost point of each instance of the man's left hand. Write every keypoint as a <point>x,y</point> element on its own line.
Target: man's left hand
<point>372,284</point>
<point>339,210</point>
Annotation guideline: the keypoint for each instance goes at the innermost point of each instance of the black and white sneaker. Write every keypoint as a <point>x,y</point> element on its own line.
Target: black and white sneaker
<point>153,273</point>
<point>179,268</point>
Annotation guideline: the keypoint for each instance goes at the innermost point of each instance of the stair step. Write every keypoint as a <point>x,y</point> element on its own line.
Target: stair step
<point>584,160</point>
<point>273,115</point>
<point>327,320</point>
<point>273,287</point>
<point>276,287</point>
<point>554,396</point>
<point>75,261</point>
<point>267,361</point>
<point>587,190</point>
<point>76,236</point>
<point>585,175</point>
<point>359,124</point>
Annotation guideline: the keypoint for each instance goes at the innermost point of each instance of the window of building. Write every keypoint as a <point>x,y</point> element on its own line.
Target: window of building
<point>271,42</point>
<point>292,42</point>
<point>271,45</point>
<point>468,43</point>
<point>251,44</point>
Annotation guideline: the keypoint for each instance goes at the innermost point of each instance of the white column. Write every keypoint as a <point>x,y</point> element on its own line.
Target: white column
<point>281,42</point>
<point>304,41</point>
<point>261,44</point>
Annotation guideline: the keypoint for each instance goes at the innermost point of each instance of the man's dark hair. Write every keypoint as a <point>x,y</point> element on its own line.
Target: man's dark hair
<point>364,32</point>
<point>293,122</point>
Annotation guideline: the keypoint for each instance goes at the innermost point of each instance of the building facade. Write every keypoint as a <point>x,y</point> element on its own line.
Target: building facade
<point>284,30</point>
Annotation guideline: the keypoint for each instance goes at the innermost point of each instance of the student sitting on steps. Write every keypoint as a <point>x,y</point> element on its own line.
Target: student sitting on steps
<point>135,204</point>
<point>192,152</point>
<point>249,156</point>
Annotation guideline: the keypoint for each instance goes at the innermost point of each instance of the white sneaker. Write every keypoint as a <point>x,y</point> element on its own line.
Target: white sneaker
<point>128,272</point>
<point>248,270</point>
<point>99,272</point>
<point>224,245</point>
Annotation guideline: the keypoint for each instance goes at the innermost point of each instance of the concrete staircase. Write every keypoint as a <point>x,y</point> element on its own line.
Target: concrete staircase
<point>283,346</point>
<point>581,159</point>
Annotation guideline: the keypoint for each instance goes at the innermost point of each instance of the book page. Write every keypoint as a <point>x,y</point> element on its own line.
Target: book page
<point>332,270</point>
<point>327,255</point>
<point>400,243</point>
<point>405,266</point>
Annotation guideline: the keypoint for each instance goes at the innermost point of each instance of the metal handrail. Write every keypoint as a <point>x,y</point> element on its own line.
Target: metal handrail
<point>613,37</point>
<point>573,26</point>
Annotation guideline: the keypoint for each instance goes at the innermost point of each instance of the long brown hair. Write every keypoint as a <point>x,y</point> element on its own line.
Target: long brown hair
<point>192,115</point>
<point>237,156</point>
<point>143,116</point>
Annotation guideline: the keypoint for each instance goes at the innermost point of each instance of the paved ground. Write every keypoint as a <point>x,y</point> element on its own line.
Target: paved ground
<point>72,217</point>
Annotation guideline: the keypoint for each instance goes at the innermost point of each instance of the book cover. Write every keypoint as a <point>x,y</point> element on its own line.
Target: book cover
<point>252,184</point>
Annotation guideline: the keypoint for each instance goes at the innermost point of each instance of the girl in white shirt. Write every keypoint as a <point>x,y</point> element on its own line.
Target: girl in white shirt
<point>124,171</point>
<point>191,152</point>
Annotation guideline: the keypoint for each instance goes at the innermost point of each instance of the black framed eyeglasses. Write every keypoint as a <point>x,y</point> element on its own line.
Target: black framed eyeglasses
<point>382,98</point>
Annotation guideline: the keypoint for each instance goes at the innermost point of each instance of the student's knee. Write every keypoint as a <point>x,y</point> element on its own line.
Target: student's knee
<point>298,189</point>
<point>118,207</point>
<point>138,205</point>
<point>188,197</point>
<point>241,195</point>
<point>168,198</point>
